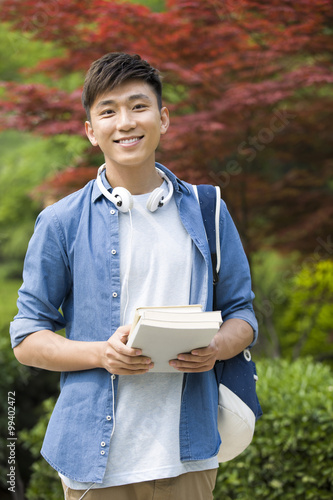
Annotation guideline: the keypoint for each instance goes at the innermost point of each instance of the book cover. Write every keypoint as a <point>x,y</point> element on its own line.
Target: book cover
<point>163,333</point>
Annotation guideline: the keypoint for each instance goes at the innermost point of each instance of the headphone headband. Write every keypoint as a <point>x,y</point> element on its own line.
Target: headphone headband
<point>123,199</point>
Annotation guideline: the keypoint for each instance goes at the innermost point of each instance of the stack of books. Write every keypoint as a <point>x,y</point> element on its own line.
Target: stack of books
<point>164,332</point>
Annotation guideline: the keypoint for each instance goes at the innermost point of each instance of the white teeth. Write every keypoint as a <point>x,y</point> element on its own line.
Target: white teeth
<point>128,141</point>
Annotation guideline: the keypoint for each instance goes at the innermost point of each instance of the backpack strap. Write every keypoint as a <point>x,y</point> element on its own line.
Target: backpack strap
<point>238,405</point>
<point>209,198</point>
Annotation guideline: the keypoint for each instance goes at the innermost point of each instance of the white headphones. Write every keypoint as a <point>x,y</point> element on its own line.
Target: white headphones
<point>123,200</point>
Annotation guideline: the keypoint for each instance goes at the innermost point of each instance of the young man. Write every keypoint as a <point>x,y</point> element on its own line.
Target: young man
<point>132,237</point>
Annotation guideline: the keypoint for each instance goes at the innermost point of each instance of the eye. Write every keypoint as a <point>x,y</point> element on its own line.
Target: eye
<point>140,106</point>
<point>107,112</point>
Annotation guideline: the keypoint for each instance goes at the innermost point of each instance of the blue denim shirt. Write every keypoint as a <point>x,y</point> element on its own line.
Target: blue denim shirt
<point>71,267</point>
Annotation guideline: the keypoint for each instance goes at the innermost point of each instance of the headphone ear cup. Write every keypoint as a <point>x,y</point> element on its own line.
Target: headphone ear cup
<point>154,199</point>
<point>124,198</point>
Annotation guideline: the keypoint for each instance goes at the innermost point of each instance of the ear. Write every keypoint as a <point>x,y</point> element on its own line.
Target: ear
<point>165,120</point>
<point>90,133</point>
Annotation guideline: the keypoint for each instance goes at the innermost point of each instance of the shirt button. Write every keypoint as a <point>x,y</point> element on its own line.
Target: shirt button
<point>113,252</point>
<point>102,452</point>
<point>112,212</point>
<point>102,444</point>
<point>108,417</point>
<point>114,294</point>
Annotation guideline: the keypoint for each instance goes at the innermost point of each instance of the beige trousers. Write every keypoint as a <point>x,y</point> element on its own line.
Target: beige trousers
<point>189,486</point>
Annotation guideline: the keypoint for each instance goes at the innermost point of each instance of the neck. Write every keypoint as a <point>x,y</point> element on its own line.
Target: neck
<point>137,180</point>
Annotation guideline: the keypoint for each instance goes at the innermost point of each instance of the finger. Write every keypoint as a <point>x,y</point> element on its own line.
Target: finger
<point>118,343</point>
<point>190,368</point>
<point>125,371</point>
<point>125,365</point>
<point>132,369</point>
<point>204,351</point>
<point>122,332</point>
<point>127,358</point>
<point>193,358</point>
<point>136,360</point>
<point>124,329</point>
<point>192,364</point>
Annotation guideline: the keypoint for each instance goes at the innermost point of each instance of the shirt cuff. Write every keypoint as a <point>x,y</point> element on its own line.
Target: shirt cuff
<point>22,327</point>
<point>248,316</point>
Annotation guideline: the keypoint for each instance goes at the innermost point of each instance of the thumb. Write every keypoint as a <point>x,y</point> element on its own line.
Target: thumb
<point>124,332</point>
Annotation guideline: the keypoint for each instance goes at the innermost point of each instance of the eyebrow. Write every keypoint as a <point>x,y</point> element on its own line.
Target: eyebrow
<point>133,97</point>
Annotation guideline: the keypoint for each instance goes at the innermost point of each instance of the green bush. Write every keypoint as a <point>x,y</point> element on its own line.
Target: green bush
<point>291,456</point>
<point>30,389</point>
<point>44,480</point>
<point>12,374</point>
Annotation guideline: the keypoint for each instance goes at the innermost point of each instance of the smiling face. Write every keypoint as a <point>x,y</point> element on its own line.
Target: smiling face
<point>126,123</point>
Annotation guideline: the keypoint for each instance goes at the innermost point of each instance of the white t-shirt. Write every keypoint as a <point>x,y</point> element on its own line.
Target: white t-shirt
<point>156,268</point>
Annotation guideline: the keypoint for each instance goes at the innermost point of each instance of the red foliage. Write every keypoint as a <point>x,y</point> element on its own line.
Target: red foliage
<point>65,183</point>
<point>250,100</point>
<point>41,109</point>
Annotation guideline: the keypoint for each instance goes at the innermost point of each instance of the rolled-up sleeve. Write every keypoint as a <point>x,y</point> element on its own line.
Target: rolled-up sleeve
<point>234,295</point>
<point>46,281</point>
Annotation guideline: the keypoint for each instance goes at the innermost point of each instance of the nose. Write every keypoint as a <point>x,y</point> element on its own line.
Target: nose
<point>125,120</point>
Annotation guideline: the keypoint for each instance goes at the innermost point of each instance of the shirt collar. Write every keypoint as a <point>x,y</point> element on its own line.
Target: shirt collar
<point>96,193</point>
<point>177,183</point>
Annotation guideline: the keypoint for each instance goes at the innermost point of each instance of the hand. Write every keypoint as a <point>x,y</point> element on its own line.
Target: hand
<point>232,338</point>
<point>119,359</point>
<point>199,360</point>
